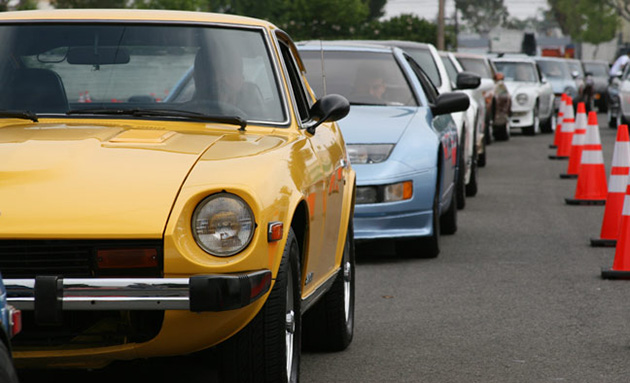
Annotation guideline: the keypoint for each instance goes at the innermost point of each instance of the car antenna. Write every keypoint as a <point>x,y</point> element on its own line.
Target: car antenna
<point>321,50</point>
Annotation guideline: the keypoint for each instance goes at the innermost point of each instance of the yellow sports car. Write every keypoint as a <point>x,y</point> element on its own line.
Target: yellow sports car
<point>135,223</point>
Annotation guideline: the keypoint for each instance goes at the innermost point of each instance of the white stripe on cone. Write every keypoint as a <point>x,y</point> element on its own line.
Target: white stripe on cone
<point>617,184</point>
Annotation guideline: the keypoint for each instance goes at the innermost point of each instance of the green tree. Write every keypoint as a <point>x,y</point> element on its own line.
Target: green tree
<point>482,15</point>
<point>376,9</point>
<point>591,21</point>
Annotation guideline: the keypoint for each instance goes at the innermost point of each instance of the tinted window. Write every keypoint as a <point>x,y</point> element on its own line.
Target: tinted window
<point>210,70</point>
<point>554,69</point>
<point>373,78</point>
<point>424,58</point>
<point>517,71</point>
<point>450,68</point>
<point>475,65</point>
<point>598,70</point>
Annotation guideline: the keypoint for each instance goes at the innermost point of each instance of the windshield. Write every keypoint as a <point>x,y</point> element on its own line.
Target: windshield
<point>56,68</point>
<point>597,69</point>
<point>515,71</point>
<point>554,69</point>
<point>475,65</point>
<point>372,78</point>
<point>576,67</point>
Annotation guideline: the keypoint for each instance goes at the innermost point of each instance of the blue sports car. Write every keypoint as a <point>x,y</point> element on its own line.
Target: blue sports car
<point>401,139</point>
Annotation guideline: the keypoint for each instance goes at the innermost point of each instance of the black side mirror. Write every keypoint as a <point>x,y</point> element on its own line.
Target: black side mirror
<point>331,107</point>
<point>450,102</point>
<point>467,80</point>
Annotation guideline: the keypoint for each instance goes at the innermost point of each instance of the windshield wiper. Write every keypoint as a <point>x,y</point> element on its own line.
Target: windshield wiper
<point>232,120</point>
<point>23,114</point>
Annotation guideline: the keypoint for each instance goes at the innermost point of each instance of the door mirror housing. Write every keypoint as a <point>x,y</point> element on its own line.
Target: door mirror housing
<point>331,107</point>
<point>467,80</point>
<point>450,102</point>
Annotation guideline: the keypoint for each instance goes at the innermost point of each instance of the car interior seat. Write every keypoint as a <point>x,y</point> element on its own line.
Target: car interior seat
<point>35,90</point>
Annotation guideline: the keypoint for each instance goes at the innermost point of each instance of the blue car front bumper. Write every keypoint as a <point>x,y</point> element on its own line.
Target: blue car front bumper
<point>397,220</point>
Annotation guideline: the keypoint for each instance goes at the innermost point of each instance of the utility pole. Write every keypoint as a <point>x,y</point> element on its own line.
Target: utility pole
<point>440,26</point>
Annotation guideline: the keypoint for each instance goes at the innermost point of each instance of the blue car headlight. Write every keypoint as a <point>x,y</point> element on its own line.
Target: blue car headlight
<point>384,193</point>
<point>369,153</point>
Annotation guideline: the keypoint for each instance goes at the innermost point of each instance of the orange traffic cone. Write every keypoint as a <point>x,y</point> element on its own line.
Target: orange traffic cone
<point>566,131</point>
<point>591,185</point>
<point>577,143</point>
<point>621,264</point>
<point>617,183</point>
<point>556,137</point>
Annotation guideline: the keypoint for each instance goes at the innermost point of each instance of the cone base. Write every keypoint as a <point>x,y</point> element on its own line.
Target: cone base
<point>553,146</point>
<point>552,157</point>
<point>599,242</point>
<point>615,274</point>
<point>569,176</point>
<point>573,201</point>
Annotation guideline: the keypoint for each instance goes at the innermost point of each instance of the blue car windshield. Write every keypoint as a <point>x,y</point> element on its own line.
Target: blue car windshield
<point>53,68</point>
<point>364,78</point>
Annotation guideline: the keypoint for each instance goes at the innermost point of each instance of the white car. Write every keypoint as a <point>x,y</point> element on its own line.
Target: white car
<point>474,116</point>
<point>532,95</point>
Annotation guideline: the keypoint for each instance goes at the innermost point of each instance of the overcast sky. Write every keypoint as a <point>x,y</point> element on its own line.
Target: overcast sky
<point>428,9</point>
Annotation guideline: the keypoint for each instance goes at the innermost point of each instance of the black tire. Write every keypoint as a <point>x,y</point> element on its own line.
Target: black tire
<point>612,121</point>
<point>448,220</point>
<point>535,127</point>
<point>258,353</point>
<point>502,132</point>
<point>549,124</point>
<point>471,186</point>
<point>460,186</point>
<point>329,324</point>
<point>489,130</point>
<point>7,369</point>
<point>481,159</point>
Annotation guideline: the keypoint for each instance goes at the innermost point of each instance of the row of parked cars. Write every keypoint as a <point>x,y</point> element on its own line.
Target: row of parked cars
<point>209,193</point>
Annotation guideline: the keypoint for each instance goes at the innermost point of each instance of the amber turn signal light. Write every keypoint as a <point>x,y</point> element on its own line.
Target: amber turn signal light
<point>275,232</point>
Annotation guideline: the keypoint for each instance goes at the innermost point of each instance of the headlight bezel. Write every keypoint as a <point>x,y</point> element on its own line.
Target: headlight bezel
<point>233,215</point>
<point>367,154</point>
<point>522,98</point>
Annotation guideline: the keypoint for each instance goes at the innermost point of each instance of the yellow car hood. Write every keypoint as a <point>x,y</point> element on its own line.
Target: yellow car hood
<point>87,181</point>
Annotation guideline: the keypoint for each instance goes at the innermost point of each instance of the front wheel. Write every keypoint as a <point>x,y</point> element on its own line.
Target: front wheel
<point>460,186</point>
<point>612,121</point>
<point>329,324</point>
<point>267,350</point>
<point>448,220</point>
<point>7,370</point>
<point>535,127</point>
<point>502,133</point>
<point>549,124</point>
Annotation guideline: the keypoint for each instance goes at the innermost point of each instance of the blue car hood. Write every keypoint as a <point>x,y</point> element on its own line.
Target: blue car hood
<point>376,124</point>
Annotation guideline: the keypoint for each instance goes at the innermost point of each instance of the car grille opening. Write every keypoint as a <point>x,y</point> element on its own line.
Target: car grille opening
<point>77,259</point>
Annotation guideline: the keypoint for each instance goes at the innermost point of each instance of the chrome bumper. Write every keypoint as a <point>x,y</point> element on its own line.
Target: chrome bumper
<point>49,296</point>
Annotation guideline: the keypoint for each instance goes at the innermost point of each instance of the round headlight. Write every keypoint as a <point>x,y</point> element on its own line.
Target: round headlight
<point>521,98</point>
<point>223,224</point>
